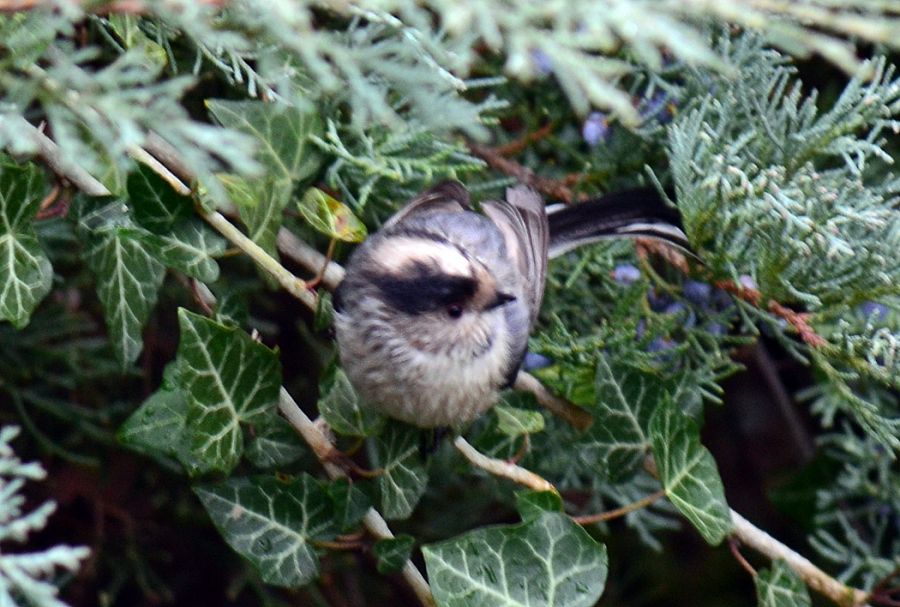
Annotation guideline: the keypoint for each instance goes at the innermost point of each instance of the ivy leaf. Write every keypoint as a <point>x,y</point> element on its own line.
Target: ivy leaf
<point>780,587</point>
<point>688,472</point>
<point>340,405</point>
<point>331,217</point>
<point>229,379</point>
<point>391,554</point>
<point>282,133</point>
<point>157,428</point>
<point>127,272</point>
<point>25,271</point>
<point>189,246</point>
<point>545,561</point>
<point>263,219</point>
<point>275,444</point>
<point>626,398</point>
<point>350,503</point>
<point>404,479</point>
<point>513,421</point>
<point>532,504</point>
<point>271,523</point>
<point>157,207</point>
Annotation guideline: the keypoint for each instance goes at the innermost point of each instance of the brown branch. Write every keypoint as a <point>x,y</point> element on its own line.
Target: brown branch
<point>589,519</point>
<point>502,468</point>
<point>576,417</point>
<point>798,320</point>
<point>517,145</point>
<point>550,187</point>
<point>735,547</point>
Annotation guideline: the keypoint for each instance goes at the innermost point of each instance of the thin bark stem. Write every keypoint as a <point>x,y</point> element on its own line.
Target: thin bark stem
<point>754,537</point>
<point>322,446</point>
<point>589,519</point>
<point>503,468</point>
<point>577,417</point>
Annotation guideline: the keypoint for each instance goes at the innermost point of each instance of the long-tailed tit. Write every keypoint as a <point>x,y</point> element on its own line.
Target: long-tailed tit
<point>434,314</point>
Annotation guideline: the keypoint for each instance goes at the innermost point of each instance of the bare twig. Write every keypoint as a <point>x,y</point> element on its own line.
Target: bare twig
<point>322,447</point>
<point>815,578</point>
<point>577,417</point>
<point>516,146</point>
<point>735,547</point>
<point>292,247</point>
<point>499,467</point>
<point>589,519</point>
<point>497,161</point>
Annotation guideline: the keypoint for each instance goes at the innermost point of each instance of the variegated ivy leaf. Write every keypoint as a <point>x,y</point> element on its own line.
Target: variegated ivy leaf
<point>340,405</point>
<point>331,217</point>
<point>626,398</point>
<point>158,427</point>
<point>282,134</point>
<point>688,472</point>
<point>271,523</point>
<point>513,421</point>
<point>397,452</point>
<point>156,205</point>
<point>547,561</point>
<point>391,554</point>
<point>274,444</point>
<point>126,270</point>
<point>780,587</point>
<point>189,246</point>
<point>230,380</point>
<point>25,271</point>
<point>263,219</point>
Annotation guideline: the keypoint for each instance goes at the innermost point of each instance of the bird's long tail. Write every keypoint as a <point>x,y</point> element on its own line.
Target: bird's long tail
<point>635,213</point>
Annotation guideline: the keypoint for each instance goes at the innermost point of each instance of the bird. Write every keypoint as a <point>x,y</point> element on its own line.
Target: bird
<point>433,316</point>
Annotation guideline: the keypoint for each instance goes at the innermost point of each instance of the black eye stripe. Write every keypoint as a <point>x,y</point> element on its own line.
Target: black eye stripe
<point>423,291</point>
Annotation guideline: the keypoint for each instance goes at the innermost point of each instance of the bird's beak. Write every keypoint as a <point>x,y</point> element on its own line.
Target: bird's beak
<point>499,300</point>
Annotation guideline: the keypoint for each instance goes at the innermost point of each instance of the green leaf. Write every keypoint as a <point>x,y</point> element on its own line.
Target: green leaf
<point>780,587</point>
<point>154,427</point>
<point>263,219</point>
<point>158,428</point>
<point>229,379</point>
<point>341,407</point>
<point>282,133</point>
<point>546,561</point>
<point>350,503</point>
<point>513,421</point>
<point>532,504</point>
<point>391,554</point>
<point>189,246</point>
<point>275,444</point>
<point>688,472</point>
<point>271,523</point>
<point>404,479</point>
<point>25,271</point>
<point>626,398</point>
<point>127,272</point>
<point>157,207</point>
<point>331,217</point>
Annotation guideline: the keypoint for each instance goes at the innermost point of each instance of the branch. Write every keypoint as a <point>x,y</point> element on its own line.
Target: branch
<point>496,161</point>
<point>589,519</point>
<point>815,578</point>
<point>291,283</point>
<point>577,417</point>
<point>306,256</point>
<point>374,522</point>
<point>499,467</point>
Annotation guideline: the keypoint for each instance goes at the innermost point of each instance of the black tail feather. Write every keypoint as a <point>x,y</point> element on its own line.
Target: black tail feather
<point>639,212</point>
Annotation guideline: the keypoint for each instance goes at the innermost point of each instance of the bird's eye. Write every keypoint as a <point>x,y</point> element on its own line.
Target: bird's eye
<point>454,310</point>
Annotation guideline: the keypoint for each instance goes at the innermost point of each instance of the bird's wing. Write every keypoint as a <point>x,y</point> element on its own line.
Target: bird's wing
<point>523,222</point>
<point>450,196</point>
